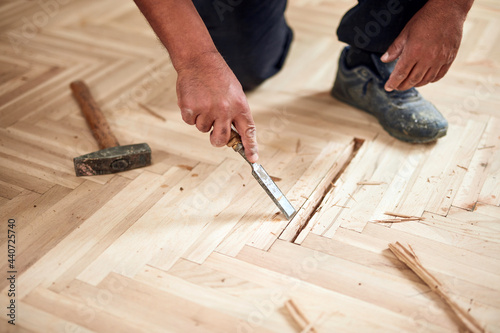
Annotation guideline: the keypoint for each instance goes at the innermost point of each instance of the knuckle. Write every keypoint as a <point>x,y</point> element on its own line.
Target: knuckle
<point>413,81</point>
<point>188,116</point>
<point>217,141</point>
<point>241,102</point>
<point>399,76</point>
<point>251,132</point>
<point>203,127</point>
<point>224,131</point>
<point>223,106</point>
<point>437,78</point>
<point>189,121</point>
<point>403,87</point>
<point>184,103</point>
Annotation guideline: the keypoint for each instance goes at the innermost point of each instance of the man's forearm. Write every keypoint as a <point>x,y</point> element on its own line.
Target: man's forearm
<point>180,29</point>
<point>464,5</point>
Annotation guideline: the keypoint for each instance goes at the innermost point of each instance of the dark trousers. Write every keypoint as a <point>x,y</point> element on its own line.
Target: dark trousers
<point>254,38</point>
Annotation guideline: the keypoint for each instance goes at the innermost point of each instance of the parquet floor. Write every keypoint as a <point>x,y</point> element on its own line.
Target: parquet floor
<point>191,243</point>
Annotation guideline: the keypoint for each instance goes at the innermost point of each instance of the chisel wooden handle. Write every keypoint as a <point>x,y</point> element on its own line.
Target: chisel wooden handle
<point>94,116</point>
<point>234,139</point>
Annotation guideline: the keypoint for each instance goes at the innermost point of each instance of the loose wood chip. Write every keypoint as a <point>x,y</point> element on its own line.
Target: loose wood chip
<point>398,220</point>
<point>342,206</point>
<point>408,256</point>
<point>307,329</point>
<point>299,317</point>
<point>370,183</point>
<point>147,108</point>
<point>187,167</point>
<point>275,179</point>
<point>398,215</point>
<point>485,147</point>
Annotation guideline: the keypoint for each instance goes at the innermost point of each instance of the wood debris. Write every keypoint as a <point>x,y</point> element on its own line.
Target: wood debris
<point>300,318</point>
<point>297,147</point>
<point>342,206</point>
<point>370,183</point>
<point>397,215</point>
<point>184,166</point>
<point>399,218</point>
<point>312,323</point>
<point>336,204</point>
<point>408,256</point>
<point>147,108</point>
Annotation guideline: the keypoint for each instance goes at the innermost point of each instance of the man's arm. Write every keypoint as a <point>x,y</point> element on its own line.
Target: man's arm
<point>208,93</point>
<point>428,44</point>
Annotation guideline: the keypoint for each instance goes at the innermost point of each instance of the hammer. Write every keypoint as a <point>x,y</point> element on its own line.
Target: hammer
<point>112,157</point>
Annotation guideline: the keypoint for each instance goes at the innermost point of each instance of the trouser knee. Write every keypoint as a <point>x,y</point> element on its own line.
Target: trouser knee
<point>373,25</point>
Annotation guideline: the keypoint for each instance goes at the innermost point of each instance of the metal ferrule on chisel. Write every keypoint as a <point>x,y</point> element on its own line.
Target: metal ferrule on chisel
<point>263,178</point>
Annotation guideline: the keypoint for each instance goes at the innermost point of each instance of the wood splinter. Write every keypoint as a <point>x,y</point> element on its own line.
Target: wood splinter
<point>300,318</point>
<point>370,183</point>
<point>408,256</point>
<point>399,218</point>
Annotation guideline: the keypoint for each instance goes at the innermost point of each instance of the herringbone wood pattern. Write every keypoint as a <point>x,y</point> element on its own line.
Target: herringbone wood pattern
<point>192,243</point>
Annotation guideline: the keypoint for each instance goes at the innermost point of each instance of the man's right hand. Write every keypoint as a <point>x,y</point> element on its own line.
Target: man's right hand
<point>210,97</point>
<point>208,93</point>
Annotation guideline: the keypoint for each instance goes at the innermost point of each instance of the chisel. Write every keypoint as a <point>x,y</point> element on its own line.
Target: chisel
<point>263,178</point>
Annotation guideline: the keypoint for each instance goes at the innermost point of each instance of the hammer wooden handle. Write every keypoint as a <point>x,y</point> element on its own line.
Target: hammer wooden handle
<point>234,139</point>
<point>94,116</point>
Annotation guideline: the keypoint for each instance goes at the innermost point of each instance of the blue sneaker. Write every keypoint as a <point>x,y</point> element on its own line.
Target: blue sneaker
<point>405,115</point>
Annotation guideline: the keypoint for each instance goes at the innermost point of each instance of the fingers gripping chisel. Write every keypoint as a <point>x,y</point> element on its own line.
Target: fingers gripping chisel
<point>263,178</point>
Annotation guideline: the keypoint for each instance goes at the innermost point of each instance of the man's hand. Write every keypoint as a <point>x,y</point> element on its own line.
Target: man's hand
<point>427,45</point>
<point>209,95</point>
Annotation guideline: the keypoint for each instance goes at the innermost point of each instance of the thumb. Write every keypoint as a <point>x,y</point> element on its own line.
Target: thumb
<point>246,128</point>
<point>395,49</point>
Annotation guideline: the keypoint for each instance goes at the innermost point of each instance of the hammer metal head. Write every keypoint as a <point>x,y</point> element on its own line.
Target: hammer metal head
<point>114,159</point>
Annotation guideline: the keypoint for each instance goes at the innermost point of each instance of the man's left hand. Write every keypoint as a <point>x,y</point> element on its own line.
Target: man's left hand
<point>427,45</point>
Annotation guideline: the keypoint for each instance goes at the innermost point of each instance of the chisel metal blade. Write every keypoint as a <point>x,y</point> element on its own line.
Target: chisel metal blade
<point>272,190</point>
<point>264,179</point>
